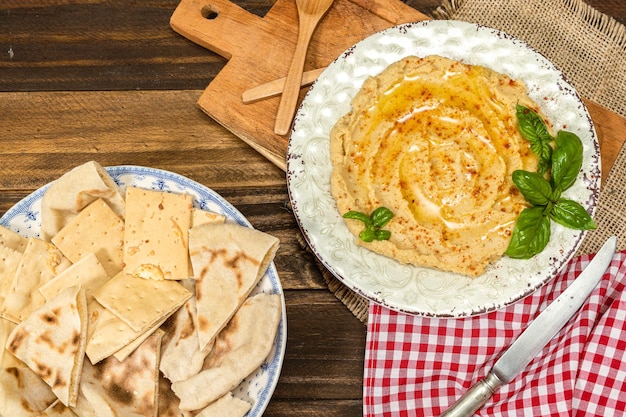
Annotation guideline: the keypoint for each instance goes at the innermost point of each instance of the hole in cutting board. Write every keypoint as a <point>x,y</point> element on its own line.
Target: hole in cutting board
<point>209,13</point>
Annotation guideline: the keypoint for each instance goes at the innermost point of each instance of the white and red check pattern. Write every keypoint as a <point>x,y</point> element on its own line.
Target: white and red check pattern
<point>418,366</point>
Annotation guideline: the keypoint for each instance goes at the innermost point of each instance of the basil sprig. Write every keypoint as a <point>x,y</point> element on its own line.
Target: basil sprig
<point>373,223</point>
<point>557,171</point>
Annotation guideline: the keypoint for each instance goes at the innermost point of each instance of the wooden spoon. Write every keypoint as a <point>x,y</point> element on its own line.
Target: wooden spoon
<point>310,12</point>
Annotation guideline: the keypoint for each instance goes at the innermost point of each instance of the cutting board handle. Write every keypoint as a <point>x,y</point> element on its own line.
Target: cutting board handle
<point>218,25</point>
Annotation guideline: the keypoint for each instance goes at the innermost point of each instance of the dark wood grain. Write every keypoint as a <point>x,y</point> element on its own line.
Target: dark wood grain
<point>111,81</point>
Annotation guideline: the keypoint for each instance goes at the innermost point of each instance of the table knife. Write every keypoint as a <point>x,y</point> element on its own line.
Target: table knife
<point>540,331</point>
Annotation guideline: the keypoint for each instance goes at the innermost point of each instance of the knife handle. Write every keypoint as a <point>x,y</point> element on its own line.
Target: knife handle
<point>474,398</point>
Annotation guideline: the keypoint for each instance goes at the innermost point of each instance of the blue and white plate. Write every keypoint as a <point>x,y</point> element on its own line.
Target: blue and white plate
<point>25,218</point>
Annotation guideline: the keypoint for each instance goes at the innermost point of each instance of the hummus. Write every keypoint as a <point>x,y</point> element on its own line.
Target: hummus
<point>435,141</point>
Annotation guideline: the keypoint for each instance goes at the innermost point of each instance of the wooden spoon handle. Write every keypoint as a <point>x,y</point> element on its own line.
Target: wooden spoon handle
<point>291,90</point>
<point>275,87</point>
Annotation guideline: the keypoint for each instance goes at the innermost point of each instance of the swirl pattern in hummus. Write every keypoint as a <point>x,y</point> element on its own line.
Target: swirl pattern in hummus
<point>435,141</point>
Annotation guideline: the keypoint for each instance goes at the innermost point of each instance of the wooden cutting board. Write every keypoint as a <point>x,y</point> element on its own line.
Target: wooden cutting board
<point>259,50</point>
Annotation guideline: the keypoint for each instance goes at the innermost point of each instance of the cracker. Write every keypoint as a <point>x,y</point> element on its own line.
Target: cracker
<point>96,229</point>
<point>88,272</point>
<point>199,217</point>
<point>10,239</point>
<point>156,234</point>
<point>108,335</point>
<point>139,302</point>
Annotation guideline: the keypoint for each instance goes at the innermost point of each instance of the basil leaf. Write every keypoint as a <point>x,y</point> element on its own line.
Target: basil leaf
<point>357,215</point>
<point>367,235</point>
<point>382,234</point>
<point>381,216</point>
<point>567,159</point>
<point>531,234</point>
<point>534,129</point>
<point>571,214</point>
<point>533,186</point>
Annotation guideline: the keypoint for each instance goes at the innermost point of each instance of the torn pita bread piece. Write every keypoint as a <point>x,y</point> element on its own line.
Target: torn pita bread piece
<point>227,406</point>
<point>156,234</point>
<point>181,341</point>
<point>74,191</point>
<point>168,401</point>
<point>239,349</point>
<point>139,302</point>
<point>126,388</point>
<point>23,393</point>
<point>108,335</point>
<point>200,217</point>
<point>87,272</point>
<point>95,229</point>
<point>40,262</point>
<point>228,260</point>
<point>51,342</point>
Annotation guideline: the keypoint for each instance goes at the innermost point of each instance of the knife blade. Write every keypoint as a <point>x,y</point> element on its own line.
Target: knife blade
<point>540,331</point>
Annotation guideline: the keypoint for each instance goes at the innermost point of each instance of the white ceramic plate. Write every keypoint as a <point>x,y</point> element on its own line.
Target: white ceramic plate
<point>25,218</point>
<point>410,289</point>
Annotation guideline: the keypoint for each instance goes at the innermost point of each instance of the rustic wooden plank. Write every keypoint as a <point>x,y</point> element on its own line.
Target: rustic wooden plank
<point>322,360</point>
<point>328,408</point>
<point>104,45</point>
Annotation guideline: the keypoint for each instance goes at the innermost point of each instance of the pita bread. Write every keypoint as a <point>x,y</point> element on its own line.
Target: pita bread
<point>228,261</point>
<point>239,350</point>
<point>156,234</point>
<point>23,393</point>
<point>40,262</point>
<point>168,401</point>
<point>95,229</point>
<point>88,272</point>
<point>227,406</point>
<point>51,342</point>
<point>181,341</point>
<point>126,388</point>
<point>74,191</point>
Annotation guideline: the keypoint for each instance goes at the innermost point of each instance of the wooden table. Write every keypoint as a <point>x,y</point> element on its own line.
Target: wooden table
<point>111,81</point>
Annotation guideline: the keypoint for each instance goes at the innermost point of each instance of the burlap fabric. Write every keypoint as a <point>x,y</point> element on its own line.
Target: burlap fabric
<point>590,49</point>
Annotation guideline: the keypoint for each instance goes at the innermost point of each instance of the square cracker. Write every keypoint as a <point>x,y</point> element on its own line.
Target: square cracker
<point>87,272</point>
<point>96,229</point>
<point>156,234</point>
<point>139,302</point>
<point>108,335</point>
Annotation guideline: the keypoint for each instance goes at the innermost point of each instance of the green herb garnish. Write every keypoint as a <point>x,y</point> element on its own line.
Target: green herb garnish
<point>373,223</point>
<point>557,171</point>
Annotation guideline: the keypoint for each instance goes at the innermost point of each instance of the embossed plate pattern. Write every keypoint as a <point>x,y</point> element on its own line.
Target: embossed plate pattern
<point>25,218</point>
<point>412,289</point>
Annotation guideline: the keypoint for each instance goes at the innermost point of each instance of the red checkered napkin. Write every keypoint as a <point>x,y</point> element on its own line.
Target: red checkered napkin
<point>417,366</point>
